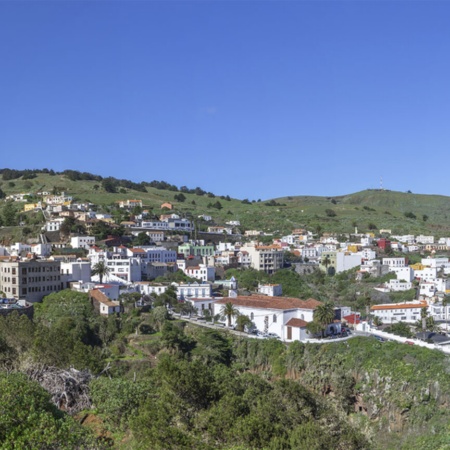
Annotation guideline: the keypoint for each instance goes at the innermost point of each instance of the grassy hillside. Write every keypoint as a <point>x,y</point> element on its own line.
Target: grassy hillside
<point>370,209</point>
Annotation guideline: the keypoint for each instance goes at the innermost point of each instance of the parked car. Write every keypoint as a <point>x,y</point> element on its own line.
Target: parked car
<point>409,342</point>
<point>272,335</point>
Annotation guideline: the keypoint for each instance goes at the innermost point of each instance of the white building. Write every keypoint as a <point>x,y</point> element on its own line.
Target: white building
<point>399,285</point>
<point>403,273</point>
<point>79,270</point>
<point>201,272</point>
<point>424,239</point>
<point>202,305</point>
<point>102,303</point>
<point>271,290</point>
<point>147,288</point>
<point>399,312</point>
<point>426,274</point>
<point>194,290</point>
<point>274,314</point>
<point>394,262</point>
<point>427,289</point>
<point>54,224</point>
<point>82,241</point>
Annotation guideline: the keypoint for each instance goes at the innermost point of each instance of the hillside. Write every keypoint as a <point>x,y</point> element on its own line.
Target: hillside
<point>367,210</point>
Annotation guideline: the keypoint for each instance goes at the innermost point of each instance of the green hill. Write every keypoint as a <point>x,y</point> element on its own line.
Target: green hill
<point>366,210</point>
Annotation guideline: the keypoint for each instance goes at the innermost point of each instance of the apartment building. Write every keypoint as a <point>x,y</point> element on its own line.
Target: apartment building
<point>29,279</point>
<point>267,258</point>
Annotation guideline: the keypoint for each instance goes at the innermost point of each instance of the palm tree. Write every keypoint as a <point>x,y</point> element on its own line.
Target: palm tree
<point>229,311</point>
<point>324,314</point>
<point>326,261</point>
<point>423,317</point>
<point>367,300</point>
<point>445,302</point>
<point>100,269</point>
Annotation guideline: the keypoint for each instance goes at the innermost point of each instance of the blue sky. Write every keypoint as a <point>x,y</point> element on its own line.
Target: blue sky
<point>252,99</point>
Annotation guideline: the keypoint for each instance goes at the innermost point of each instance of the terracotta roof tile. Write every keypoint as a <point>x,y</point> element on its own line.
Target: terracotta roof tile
<point>399,306</point>
<point>256,301</point>
<point>297,323</point>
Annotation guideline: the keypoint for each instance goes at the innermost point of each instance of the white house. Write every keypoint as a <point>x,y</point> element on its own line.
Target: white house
<point>274,314</point>
<point>399,285</point>
<point>399,312</point>
<point>426,274</point>
<point>193,290</point>
<point>79,270</point>
<point>201,272</point>
<point>403,273</point>
<point>394,262</point>
<point>82,241</point>
<point>148,288</point>
<point>425,239</point>
<point>271,290</point>
<point>102,303</point>
<point>202,305</point>
<point>54,224</point>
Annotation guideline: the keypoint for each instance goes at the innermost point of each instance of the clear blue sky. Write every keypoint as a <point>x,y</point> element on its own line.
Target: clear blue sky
<point>257,99</point>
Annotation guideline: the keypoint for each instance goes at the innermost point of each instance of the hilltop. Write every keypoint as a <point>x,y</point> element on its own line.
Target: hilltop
<point>403,213</point>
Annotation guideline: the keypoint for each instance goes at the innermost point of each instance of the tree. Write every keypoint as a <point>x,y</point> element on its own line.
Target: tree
<point>324,314</point>
<point>9,215</point>
<point>326,261</point>
<point>179,197</point>
<point>100,269</point>
<point>314,328</point>
<point>445,302</point>
<point>30,420</point>
<point>243,321</point>
<point>109,185</point>
<point>377,321</point>
<point>228,311</point>
<point>423,317</point>
<point>142,239</point>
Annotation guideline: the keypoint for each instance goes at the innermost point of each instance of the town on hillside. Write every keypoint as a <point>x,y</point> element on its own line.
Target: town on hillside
<point>134,252</point>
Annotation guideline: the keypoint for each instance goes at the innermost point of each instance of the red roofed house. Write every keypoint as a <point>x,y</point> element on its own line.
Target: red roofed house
<point>284,316</point>
<point>102,303</point>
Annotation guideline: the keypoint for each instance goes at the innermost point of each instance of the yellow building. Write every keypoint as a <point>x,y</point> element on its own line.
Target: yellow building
<point>31,206</point>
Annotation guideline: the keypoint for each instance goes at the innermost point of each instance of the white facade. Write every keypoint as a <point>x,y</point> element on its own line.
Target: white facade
<point>194,290</point>
<point>347,262</point>
<point>19,248</point>
<point>82,241</point>
<point>426,274</point>
<point>146,288</point>
<point>201,272</point>
<point>437,263</point>
<point>394,262</point>
<point>271,315</point>
<point>399,312</point>
<point>403,273</point>
<point>427,289</point>
<point>54,225</point>
<point>75,271</point>
<point>271,290</point>
<point>202,305</point>
<point>425,239</point>
<point>399,285</point>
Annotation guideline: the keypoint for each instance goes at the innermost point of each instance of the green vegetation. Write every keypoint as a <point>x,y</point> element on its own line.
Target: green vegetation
<point>378,209</point>
<point>182,386</point>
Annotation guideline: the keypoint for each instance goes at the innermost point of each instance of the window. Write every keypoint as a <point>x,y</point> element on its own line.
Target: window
<point>274,318</point>
<point>252,316</point>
